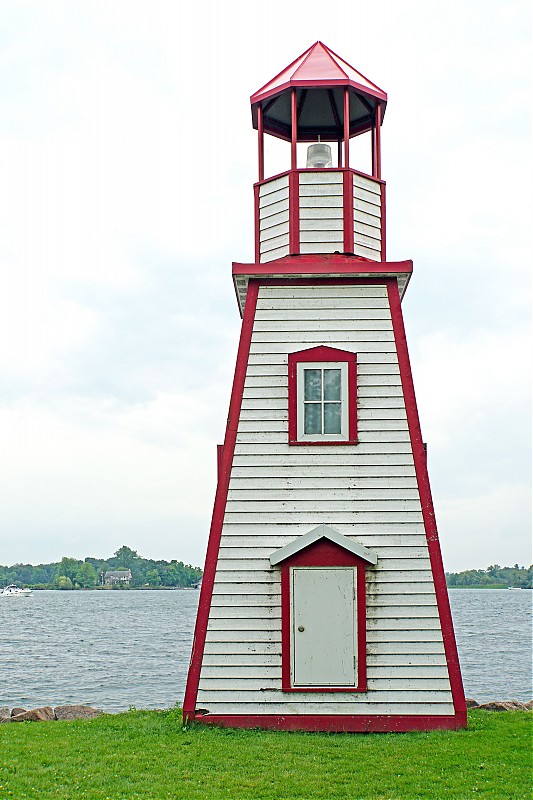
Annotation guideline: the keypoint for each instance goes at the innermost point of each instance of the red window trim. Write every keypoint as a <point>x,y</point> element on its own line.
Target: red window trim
<point>323,554</point>
<point>331,354</point>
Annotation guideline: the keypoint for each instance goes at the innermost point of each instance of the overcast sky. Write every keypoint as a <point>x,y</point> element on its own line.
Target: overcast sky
<point>127,159</point>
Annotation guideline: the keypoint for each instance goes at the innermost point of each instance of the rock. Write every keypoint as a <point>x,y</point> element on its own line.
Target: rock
<point>4,711</point>
<point>43,714</point>
<point>76,712</point>
<point>508,705</point>
<point>4,719</point>
<point>17,710</point>
<point>471,703</point>
<point>530,705</point>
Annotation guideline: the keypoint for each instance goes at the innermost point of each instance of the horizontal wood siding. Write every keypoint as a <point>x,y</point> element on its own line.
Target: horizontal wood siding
<point>321,212</point>
<point>274,219</point>
<point>367,491</point>
<point>367,217</point>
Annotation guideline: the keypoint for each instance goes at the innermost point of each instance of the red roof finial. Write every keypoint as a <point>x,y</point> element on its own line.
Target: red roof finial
<point>318,66</point>
<point>319,77</point>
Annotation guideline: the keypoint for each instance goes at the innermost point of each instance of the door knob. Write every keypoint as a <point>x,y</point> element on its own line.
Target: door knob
<point>301,628</point>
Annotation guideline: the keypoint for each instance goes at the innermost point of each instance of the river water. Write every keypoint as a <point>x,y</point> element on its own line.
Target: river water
<point>114,650</point>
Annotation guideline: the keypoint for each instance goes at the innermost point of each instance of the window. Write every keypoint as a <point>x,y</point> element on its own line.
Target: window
<point>322,400</point>
<point>322,396</point>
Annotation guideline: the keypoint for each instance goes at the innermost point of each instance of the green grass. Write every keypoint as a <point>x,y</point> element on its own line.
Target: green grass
<point>147,754</point>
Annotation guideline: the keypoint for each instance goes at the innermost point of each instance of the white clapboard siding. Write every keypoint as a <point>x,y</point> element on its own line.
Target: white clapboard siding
<point>286,705</point>
<point>262,564</point>
<point>390,676</point>
<point>274,219</point>
<point>256,545</point>
<point>395,685</point>
<point>281,475</point>
<point>253,660</point>
<point>274,231</point>
<point>367,491</point>
<point>367,217</point>
<point>378,662</point>
<point>309,482</point>
<point>272,337</point>
<point>271,255</point>
<point>322,325</point>
<point>331,495</point>
<point>307,316</point>
<point>321,212</point>
<point>242,624</point>
<point>245,612</point>
<point>378,580</point>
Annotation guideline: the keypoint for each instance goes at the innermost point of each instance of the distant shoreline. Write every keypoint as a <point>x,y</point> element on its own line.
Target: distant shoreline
<point>115,589</point>
<point>491,586</point>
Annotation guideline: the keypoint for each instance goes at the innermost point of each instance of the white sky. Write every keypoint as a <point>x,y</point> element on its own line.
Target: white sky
<point>127,159</point>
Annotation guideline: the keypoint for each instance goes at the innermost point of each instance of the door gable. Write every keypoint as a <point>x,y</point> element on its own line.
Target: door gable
<point>325,535</point>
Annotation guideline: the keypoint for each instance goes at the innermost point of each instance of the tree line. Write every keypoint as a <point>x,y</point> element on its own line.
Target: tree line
<point>72,573</point>
<point>494,576</point>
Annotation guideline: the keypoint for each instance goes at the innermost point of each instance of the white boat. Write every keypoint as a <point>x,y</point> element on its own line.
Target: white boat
<point>14,591</point>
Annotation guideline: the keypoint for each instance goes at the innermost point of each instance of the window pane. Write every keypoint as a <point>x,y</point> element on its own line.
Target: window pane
<point>313,417</point>
<point>332,417</point>
<point>313,384</point>
<point>332,384</point>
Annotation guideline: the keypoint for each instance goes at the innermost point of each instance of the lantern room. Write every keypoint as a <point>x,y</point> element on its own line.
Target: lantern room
<point>323,205</point>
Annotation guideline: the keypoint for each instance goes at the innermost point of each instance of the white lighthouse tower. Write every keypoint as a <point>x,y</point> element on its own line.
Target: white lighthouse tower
<point>323,604</point>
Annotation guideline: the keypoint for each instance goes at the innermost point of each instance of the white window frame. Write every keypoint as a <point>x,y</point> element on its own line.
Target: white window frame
<point>343,436</point>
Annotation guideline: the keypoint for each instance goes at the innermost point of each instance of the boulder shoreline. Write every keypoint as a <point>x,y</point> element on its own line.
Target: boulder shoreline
<point>48,714</point>
<point>71,712</point>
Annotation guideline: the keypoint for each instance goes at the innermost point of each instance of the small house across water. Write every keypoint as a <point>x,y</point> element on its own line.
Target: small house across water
<point>118,577</point>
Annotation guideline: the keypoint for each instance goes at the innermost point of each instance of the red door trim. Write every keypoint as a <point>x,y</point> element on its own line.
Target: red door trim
<point>322,553</point>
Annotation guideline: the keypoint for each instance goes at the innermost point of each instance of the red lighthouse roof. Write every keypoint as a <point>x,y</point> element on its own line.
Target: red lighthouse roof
<point>318,76</point>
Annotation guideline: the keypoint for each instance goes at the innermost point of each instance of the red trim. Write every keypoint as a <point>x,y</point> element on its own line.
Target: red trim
<point>322,353</point>
<point>347,211</point>
<point>322,553</point>
<point>309,84</point>
<point>361,626</point>
<point>377,129</point>
<point>346,128</point>
<point>322,169</point>
<point>383,222</point>
<point>257,225</point>
<point>323,264</point>
<point>285,629</point>
<point>360,723</point>
<point>294,213</point>
<point>219,508</point>
<point>294,130</point>
<point>325,281</point>
<point>260,144</point>
<point>373,147</point>
<point>428,512</point>
<point>294,206</point>
<point>220,456</point>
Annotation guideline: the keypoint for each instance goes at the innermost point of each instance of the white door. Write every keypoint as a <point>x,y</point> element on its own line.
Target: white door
<point>323,629</point>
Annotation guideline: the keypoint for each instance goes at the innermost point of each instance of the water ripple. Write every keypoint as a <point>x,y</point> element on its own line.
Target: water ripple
<point>118,649</point>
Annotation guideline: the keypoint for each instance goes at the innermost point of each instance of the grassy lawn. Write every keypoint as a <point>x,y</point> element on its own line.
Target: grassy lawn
<point>147,754</point>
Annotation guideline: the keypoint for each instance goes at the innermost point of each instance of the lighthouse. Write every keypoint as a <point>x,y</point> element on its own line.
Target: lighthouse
<point>323,605</point>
